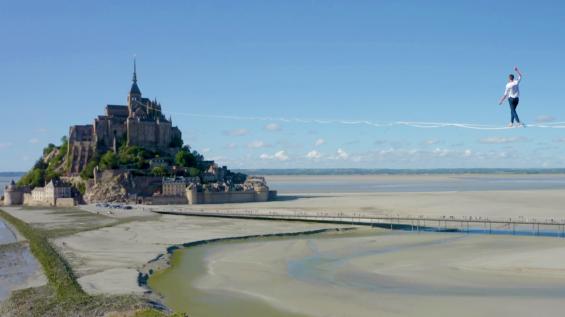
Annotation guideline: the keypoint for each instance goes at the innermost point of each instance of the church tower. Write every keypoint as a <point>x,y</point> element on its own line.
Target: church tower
<point>134,96</point>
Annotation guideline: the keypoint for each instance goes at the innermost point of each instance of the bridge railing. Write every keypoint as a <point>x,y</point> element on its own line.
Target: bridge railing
<point>516,226</point>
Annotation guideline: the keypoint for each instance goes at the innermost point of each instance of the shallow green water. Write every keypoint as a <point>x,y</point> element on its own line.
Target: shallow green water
<point>342,276</point>
<point>176,286</point>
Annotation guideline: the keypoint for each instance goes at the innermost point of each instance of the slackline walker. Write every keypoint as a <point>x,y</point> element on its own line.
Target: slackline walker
<point>512,92</point>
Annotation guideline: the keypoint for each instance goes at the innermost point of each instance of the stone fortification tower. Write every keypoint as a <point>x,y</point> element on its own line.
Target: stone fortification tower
<point>13,195</point>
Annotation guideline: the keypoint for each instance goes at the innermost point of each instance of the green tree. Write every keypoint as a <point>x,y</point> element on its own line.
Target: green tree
<point>197,156</point>
<point>42,171</point>
<point>40,164</point>
<point>88,171</point>
<point>81,188</point>
<point>58,159</point>
<point>51,174</point>
<point>193,171</point>
<point>34,178</point>
<point>176,142</point>
<point>159,171</point>
<point>47,150</point>
<point>184,158</point>
<point>109,161</point>
<point>134,156</point>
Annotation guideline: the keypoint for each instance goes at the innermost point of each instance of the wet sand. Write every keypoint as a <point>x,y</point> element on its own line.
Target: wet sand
<point>489,204</point>
<point>414,183</point>
<point>18,268</point>
<point>384,274</point>
<point>7,235</point>
<point>540,196</point>
<point>107,259</point>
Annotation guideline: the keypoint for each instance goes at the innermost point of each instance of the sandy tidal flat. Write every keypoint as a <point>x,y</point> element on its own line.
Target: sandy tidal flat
<point>18,268</point>
<point>388,274</point>
<point>487,204</point>
<point>429,271</point>
<point>107,259</point>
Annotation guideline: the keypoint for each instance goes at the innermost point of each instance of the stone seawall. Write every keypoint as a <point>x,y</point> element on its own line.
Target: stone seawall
<point>195,198</point>
<point>165,200</point>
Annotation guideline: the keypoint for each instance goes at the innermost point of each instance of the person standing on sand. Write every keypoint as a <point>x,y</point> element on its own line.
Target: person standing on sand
<point>512,92</point>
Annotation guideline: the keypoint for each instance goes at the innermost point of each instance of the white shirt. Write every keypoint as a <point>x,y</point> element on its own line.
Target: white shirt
<point>513,88</point>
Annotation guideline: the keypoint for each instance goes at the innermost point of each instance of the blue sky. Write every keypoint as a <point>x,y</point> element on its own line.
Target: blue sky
<point>61,62</point>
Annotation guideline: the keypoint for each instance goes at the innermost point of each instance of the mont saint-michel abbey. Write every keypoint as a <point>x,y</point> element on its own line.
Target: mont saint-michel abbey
<point>140,122</point>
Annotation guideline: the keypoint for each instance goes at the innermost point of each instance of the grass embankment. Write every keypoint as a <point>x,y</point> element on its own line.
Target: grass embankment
<point>63,296</point>
<point>57,270</point>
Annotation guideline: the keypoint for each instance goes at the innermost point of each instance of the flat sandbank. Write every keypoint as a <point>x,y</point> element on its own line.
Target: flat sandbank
<point>490,204</point>
<point>106,260</point>
<point>106,250</point>
<point>414,183</point>
<point>383,274</point>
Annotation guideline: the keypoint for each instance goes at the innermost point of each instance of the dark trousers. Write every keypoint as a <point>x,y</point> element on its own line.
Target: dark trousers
<point>513,105</point>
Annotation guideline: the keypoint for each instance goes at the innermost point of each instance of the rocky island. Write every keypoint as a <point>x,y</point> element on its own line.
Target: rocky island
<point>131,154</point>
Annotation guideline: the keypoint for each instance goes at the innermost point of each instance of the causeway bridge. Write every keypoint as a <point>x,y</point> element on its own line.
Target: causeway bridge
<point>471,225</point>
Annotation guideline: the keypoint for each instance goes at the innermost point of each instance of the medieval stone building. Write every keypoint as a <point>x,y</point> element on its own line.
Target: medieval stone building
<point>140,122</point>
<point>55,193</point>
<point>13,195</point>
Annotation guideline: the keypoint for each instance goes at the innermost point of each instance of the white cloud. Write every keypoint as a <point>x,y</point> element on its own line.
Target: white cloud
<point>205,150</point>
<point>406,157</point>
<point>342,155</point>
<point>440,152</point>
<point>279,156</point>
<point>544,119</point>
<point>319,142</point>
<point>5,145</point>
<point>34,140</point>
<point>257,144</point>
<point>272,127</point>
<point>236,132</point>
<point>313,155</point>
<point>412,156</point>
<point>231,146</point>
<point>502,140</point>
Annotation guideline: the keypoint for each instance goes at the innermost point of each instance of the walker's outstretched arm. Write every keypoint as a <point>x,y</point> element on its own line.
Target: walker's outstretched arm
<point>519,73</point>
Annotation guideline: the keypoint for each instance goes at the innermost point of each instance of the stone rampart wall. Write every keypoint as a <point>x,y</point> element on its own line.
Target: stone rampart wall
<point>195,198</point>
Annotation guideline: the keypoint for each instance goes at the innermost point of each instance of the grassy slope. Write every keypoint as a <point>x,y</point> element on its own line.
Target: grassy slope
<point>63,295</point>
<point>57,270</point>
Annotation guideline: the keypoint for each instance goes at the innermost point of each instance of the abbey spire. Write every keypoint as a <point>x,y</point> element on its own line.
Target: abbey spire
<point>134,72</point>
<point>134,91</point>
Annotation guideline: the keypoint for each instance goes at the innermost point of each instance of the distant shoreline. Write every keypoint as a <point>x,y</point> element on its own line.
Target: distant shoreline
<point>438,171</point>
<point>378,171</point>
